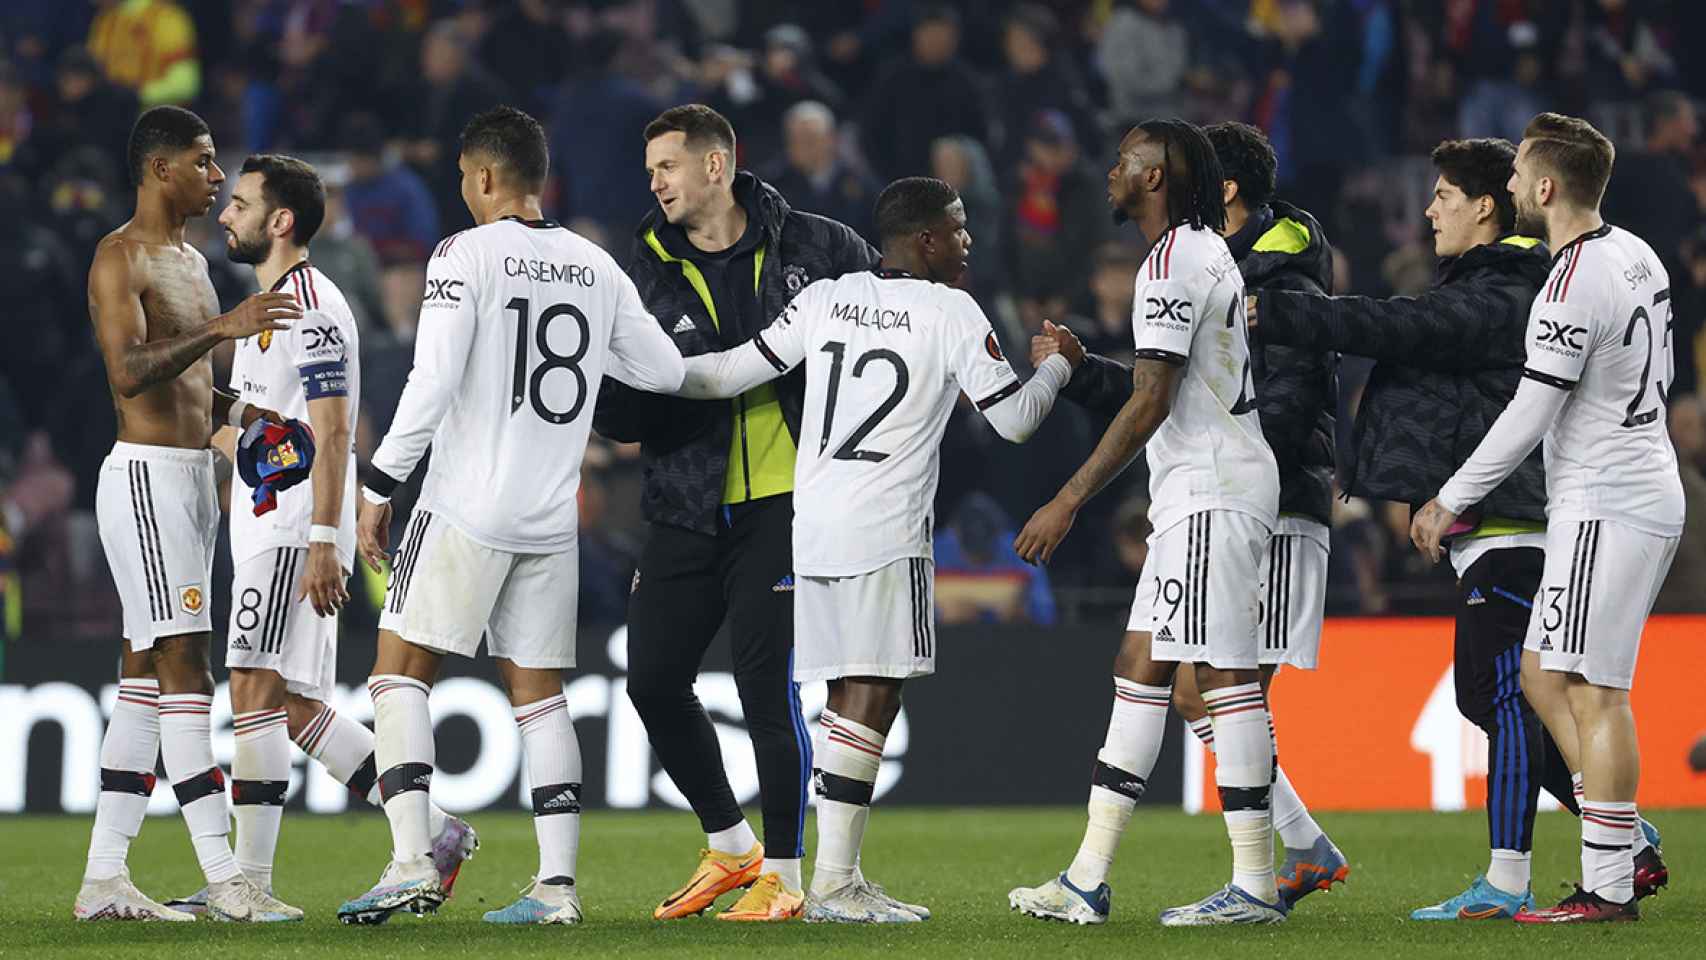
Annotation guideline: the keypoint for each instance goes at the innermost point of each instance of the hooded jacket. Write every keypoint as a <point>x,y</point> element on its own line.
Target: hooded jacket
<point>1280,247</point>
<point>690,447</point>
<point>1447,364</point>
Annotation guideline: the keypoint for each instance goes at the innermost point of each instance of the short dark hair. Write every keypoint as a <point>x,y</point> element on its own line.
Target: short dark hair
<point>936,13</point>
<point>161,128</point>
<point>290,184</point>
<point>1481,168</point>
<point>514,140</point>
<point>703,127</point>
<point>1193,173</point>
<point>1246,158</point>
<point>1572,152</point>
<point>911,204</point>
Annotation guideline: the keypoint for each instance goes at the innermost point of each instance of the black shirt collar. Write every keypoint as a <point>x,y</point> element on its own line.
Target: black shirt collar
<point>893,273</point>
<point>1604,229</point>
<point>284,277</point>
<point>542,224</point>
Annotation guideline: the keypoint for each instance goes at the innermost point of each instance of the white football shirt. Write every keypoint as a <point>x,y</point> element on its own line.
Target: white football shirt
<point>1209,454</point>
<point>1601,329</point>
<point>887,356</point>
<point>319,356</point>
<point>519,322</point>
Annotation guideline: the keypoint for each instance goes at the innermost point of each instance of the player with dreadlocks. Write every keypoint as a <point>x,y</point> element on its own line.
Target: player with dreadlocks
<point>1214,490</point>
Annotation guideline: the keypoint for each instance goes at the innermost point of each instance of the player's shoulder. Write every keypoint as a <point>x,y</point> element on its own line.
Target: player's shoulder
<point>1187,252</point>
<point>1598,264</point>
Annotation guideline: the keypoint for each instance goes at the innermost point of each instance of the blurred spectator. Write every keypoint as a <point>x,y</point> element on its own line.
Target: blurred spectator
<point>1060,216</point>
<point>1144,52</point>
<point>88,111</point>
<point>433,114</point>
<point>16,120</point>
<point>1036,79</point>
<point>756,95</point>
<point>392,208</point>
<point>1105,324</point>
<point>928,94</point>
<point>816,178</point>
<point>607,557</point>
<point>1626,55</point>
<point>596,150</point>
<point>1501,101</point>
<point>148,46</point>
<point>348,258</point>
<point>964,165</point>
<point>979,577</point>
<point>525,48</point>
<point>1681,590</point>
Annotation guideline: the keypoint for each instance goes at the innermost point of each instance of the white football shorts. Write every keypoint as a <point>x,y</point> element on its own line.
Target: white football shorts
<point>1599,583</point>
<point>1200,591</point>
<point>447,591</point>
<point>1294,593</point>
<point>876,624</point>
<point>158,513</point>
<point>272,630</point>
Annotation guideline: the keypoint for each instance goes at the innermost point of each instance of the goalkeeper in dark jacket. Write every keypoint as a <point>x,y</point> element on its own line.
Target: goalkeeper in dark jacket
<point>1447,363</point>
<point>1278,247</point>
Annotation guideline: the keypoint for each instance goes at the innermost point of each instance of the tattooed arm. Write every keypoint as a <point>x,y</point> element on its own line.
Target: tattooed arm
<point>1153,386</point>
<point>135,363</point>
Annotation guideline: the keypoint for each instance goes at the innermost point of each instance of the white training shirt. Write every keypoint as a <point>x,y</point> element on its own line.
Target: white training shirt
<point>886,355</point>
<point>281,370</point>
<point>519,323</point>
<point>1209,454</point>
<point>1598,371</point>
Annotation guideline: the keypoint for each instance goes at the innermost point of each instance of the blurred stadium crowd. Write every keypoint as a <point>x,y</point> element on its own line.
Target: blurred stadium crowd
<point>1016,104</point>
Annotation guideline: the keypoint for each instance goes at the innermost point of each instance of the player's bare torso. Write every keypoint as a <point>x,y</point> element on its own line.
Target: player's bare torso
<point>171,281</point>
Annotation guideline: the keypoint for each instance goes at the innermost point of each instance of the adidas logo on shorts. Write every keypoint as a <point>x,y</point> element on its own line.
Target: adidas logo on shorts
<point>241,643</point>
<point>1166,635</point>
<point>1546,644</point>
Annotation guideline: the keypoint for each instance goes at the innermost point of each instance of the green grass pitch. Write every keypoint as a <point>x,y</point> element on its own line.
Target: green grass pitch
<point>959,862</point>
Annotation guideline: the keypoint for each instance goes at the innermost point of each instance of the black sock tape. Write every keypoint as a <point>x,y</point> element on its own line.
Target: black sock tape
<point>556,798</point>
<point>404,777</point>
<point>259,793</point>
<point>1123,782</point>
<point>833,786</point>
<point>127,781</point>
<point>204,784</point>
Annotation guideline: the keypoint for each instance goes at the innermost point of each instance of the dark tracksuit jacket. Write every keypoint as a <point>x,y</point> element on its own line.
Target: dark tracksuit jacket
<point>718,482</point>
<point>1447,363</point>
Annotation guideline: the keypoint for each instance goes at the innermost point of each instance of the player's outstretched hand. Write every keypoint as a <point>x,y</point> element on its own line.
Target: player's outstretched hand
<point>1043,346</point>
<point>324,583</point>
<point>1043,532</point>
<point>1066,343</point>
<point>1429,527</point>
<point>373,533</point>
<point>262,312</point>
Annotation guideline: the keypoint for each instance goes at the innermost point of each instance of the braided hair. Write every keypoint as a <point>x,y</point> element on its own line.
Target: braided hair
<point>1194,175</point>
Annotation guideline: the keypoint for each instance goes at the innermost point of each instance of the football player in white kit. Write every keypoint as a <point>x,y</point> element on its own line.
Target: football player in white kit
<point>887,353</point>
<point>1599,365</point>
<point>520,321</point>
<point>292,561</point>
<point>1214,490</point>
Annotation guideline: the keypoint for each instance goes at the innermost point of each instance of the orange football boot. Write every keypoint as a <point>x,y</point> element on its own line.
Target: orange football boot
<point>717,874</point>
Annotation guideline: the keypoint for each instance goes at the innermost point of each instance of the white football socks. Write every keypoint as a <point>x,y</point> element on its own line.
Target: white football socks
<point>848,765</point>
<point>260,777</point>
<point>129,749</point>
<point>734,840</point>
<point>1136,728</point>
<point>403,751</point>
<point>1297,829</point>
<point>186,745</point>
<point>1608,848</point>
<point>1244,773</point>
<point>1511,870</point>
<point>345,749</point>
<point>554,774</point>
